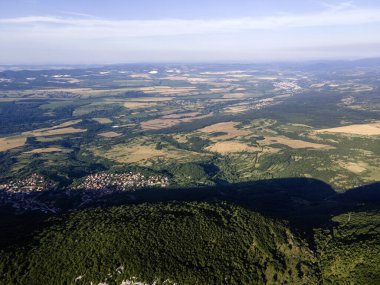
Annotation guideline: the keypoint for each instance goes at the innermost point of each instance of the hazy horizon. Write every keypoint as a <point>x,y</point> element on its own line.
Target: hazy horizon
<point>38,32</point>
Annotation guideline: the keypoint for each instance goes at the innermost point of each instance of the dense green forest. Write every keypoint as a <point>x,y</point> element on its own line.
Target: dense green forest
<point>189,243</point>
<point>271,232</point>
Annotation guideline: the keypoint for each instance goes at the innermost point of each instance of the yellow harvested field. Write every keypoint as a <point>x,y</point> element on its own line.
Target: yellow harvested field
<point>45,150</point>
<point>109,134</point>
<point>294,143</point>
<point>238,95</point>
<point>53,132</point>
<point>353,167</point>
<point>164,122</point>
<point>139,105</point>
<point>158,124</point>
<point>237,108</point>
<point>225,127</point>
<point>359,129</point>
<point>66,124</point>
<point>11,142</point>
<point>103,120</point>
<point>231,147</point>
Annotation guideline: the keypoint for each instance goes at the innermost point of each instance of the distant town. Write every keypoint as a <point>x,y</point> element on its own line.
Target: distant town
<point>23,194</point>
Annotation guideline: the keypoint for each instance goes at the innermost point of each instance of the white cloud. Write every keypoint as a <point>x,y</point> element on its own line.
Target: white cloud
<point>84,38</point>
<point>343,14</point>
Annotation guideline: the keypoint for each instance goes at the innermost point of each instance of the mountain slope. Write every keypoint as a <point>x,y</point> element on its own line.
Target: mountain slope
<point>188,243</point>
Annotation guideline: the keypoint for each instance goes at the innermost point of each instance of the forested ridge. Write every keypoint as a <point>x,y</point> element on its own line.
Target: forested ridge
<point>189,243</point>
<point>270,232</point>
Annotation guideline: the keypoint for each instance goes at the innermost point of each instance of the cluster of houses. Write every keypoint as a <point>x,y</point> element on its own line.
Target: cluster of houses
<point>17,194</point>
<point>287,86</point>
<point>121,181</point>
<point>284,87</point>
<point>24,194</point>
<point>33,183</point>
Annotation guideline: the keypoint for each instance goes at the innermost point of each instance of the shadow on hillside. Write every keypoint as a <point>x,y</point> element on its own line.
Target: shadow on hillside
<point>304,203</point>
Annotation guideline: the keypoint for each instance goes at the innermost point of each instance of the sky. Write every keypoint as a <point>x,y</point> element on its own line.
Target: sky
<point>133,31</point>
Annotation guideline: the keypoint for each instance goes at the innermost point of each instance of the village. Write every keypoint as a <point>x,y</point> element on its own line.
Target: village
<point>23,194</point>
<point>33,183</point>
<point>101,184</point>
<point>19,194</point>
<point>120,181</point>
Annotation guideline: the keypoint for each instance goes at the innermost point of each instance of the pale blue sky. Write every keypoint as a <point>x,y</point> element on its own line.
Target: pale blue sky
<point>122,31</point>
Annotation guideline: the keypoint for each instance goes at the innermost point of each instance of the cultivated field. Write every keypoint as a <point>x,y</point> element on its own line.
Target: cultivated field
<point>45,150</point>
<point>11,142</point>
<point>228,130</point>
<point>171,120</point>
<point>109,134</point>
<point>231,147</point>
<point>293,143</point>
<point>372,129</point>
<point>53,132</point>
